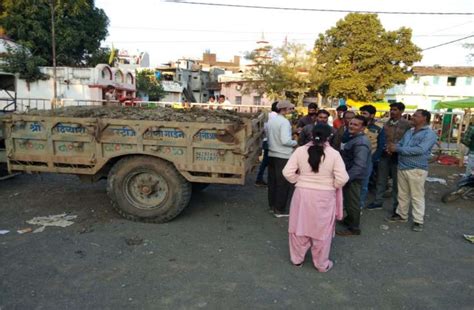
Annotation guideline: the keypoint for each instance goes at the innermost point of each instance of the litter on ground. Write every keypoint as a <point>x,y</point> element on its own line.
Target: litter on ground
<point>469,238</point>
<point>439,180</point>
<point>24,230</point>
<point>4,232</point>
<point>60,220</point>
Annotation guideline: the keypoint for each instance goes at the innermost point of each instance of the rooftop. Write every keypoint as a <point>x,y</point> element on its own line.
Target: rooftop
<point>439,70</point>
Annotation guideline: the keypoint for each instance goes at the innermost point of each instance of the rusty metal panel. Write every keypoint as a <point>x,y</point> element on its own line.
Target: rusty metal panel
<point>202,152</point>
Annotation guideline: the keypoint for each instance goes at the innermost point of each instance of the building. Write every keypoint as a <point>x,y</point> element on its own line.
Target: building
<point>75,85</point>
<point>233,88</point>
<point>173,91</point>
<point>233,85</point>
<point>197,80</point>
<point>126,60</point>
<point>209,60</point>
<point>428,85</point>
<point>72,84</point>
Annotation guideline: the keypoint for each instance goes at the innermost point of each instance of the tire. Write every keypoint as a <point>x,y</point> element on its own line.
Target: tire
<point>147,189</point>
<point>199,187</point>
<point>468,194</point>
<point>453,195</point>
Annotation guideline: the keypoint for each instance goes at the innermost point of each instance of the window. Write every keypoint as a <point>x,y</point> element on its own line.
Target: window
<point>238,99</point>
<point>257,100</point>
<point>129,78</point>
<point>435,80</point>
<point>119,77</point>
<point>451,81</point>
<point>416,79</point>
<point>469,80</point>
<point>106,73</point>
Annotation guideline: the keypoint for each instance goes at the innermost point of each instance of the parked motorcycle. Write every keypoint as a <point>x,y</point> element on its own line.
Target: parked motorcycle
<point>464,189</point>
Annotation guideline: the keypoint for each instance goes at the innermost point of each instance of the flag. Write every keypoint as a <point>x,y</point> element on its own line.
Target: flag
<point>112,55</point>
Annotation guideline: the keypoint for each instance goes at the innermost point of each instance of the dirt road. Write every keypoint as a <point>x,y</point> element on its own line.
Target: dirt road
<point>225,251</point>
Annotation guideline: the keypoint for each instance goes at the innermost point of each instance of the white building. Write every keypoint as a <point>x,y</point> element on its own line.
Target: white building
<point>428,85</point>
<point>76,84</point>
<point>173,91</point>
<point>132,61</point>
<point>233,86</point>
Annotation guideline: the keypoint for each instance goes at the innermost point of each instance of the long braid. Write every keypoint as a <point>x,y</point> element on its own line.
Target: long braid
<point>321,134</point>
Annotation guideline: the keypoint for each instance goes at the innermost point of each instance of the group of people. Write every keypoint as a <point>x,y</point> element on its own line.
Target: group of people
<point>113,99</point>
<point>327,169</point>
<point>221,104</point>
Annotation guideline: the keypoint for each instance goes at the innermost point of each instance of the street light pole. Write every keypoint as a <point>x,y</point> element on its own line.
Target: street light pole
<point>53,47</point>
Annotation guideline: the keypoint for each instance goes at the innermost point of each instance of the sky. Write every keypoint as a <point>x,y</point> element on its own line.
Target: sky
<point>168,31</point>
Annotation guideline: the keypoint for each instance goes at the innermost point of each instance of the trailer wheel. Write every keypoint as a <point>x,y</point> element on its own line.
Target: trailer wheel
<point>148,189</point>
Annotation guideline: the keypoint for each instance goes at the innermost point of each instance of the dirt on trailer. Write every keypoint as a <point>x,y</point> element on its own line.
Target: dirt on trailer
<point>140,113</point>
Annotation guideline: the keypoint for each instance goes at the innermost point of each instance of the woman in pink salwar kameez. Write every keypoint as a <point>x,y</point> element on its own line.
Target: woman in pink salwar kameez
<point>319,174</point>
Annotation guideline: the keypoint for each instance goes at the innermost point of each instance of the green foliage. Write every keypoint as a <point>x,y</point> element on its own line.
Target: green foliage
<point>20,60</point>
<point>285,75</point>
<point>361,60</point>
<point>148,84</point>
<point>79,25</point>
<point>100,56</point>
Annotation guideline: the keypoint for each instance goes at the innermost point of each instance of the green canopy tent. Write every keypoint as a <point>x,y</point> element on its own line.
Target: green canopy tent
<point>456,104</point>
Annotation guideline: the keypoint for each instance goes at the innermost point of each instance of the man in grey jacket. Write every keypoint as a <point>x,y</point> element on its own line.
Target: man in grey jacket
<point>356,155</point>
<point>280,148</point>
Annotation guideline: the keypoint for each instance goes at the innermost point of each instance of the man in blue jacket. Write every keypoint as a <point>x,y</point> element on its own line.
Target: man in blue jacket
<point>413,154</point>
<point>377,142</point>
<point>356,155</point>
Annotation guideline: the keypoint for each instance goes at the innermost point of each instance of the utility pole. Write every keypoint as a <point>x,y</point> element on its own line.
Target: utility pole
<point>53,47</point>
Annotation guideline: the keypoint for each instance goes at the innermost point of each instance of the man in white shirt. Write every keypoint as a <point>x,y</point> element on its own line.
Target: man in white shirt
<point>280,148</point>
<point>264,164</point>
<point>226,105</point>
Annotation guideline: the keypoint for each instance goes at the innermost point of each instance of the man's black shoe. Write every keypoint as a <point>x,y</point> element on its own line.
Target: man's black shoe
<point>396,219</point>
<point>260,183</point>
<point>374,206</point>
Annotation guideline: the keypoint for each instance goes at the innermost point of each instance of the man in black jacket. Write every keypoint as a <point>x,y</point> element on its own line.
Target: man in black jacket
<point>356,155</point>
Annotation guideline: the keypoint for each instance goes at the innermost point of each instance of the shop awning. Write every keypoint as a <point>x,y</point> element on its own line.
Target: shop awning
<point>456,104</point>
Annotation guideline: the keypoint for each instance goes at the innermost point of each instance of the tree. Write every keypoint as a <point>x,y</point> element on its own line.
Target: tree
<point>148,84</point>
<point>285,74</point>
<point>80,27</point>
<point>100,56</point>
<point>19,60</point>
<point>361,60</point>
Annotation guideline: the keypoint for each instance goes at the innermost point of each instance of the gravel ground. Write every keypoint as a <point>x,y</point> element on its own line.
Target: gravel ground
<point>225,251</point>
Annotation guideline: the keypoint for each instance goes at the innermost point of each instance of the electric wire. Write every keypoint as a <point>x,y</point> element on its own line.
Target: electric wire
<point>315,10</point>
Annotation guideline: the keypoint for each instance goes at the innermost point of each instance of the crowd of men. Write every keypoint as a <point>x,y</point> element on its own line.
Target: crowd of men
<point>398,149</point>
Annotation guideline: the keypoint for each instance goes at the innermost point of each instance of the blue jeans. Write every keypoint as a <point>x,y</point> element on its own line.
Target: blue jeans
<point>264,163</point>
<point>364,190</point>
